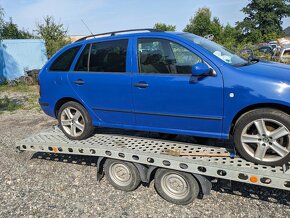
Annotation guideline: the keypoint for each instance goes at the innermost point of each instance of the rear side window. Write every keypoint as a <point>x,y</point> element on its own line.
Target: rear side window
<point>64,61</point>
<point>83,61</point>
<point>108,56</point>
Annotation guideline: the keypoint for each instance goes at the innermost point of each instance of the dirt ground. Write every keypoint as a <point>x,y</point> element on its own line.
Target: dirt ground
<point>40,185</point>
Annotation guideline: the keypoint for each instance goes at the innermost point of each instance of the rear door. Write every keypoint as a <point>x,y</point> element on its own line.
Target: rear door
<point>101,79</point>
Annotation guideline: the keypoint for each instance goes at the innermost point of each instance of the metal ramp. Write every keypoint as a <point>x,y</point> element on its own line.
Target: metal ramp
<point>150,152</point>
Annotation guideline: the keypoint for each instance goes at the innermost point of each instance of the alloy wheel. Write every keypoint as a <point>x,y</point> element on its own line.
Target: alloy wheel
<point>266,140</point>
<point>72,121</point>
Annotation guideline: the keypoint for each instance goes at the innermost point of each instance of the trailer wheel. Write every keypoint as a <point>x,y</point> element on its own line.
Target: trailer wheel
<point>122,175</point>
<point>176,187</point>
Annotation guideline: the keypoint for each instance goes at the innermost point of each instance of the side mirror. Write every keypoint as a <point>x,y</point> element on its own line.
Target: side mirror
<point>200,69</point>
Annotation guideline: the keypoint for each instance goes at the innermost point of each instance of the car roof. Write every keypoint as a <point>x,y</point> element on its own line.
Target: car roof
<point>124,35</point>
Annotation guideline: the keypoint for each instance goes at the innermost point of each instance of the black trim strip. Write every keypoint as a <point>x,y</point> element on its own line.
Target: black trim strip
<point>158,114</point>
<point>45,104</point>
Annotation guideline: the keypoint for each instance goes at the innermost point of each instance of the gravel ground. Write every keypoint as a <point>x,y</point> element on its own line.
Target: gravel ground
<point>39,185</point>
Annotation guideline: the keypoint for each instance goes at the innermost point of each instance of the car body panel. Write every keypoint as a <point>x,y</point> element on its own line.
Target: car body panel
<point>106,93</point>
<point>205,108</point>
<point>198,110</point>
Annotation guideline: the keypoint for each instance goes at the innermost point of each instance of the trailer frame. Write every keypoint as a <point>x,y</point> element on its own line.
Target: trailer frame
<point>148,155</point>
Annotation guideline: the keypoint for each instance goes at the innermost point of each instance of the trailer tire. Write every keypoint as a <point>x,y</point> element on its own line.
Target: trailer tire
<point>176,187</point>
<point>122,175</point>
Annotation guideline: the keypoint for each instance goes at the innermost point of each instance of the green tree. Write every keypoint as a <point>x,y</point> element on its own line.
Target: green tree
<point>164,27</point>
<point>263,18</point>
<point>216,29</point>
<point>200,23</point>
<point>230,37</point>
<point>10,30</point>
<point>54,34</point>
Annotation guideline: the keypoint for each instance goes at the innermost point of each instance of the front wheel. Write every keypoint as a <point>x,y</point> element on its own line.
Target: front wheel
<point>262,136</point>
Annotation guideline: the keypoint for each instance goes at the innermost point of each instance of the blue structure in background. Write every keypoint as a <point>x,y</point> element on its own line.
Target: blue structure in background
<point>20,55</point>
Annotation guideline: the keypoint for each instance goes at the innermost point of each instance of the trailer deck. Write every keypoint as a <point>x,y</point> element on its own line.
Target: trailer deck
<point>150,152</point>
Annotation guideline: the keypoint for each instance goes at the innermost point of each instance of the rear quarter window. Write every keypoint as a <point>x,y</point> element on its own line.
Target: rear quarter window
<point>64,61</point>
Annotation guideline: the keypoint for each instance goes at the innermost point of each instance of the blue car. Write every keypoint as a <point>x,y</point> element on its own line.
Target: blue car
<point>170,82</point>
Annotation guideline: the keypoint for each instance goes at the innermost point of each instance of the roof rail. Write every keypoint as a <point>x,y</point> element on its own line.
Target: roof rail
<point>115,32</point>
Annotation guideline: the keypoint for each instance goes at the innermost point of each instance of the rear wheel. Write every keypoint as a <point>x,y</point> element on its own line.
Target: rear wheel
<point>176,187</point>
<point>122,175</point>
<point>74,121</point>
<point>263,136</point>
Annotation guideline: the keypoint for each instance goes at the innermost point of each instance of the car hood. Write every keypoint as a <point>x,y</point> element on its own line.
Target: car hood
<point>271,70</point>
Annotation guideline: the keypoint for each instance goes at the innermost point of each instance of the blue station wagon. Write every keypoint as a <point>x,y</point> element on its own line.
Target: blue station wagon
<point>170,82</point>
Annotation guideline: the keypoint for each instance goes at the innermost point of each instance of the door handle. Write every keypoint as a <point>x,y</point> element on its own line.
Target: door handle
<point>79,82</point>
<point>141,85</point>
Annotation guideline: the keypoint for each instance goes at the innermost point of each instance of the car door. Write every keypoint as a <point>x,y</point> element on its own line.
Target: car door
<point>101,80</point>
<point>166,97</point>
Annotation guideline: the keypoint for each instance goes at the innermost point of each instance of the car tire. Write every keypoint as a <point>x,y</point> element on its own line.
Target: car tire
<point>122,175</point>
<point>74,121</point>
<point>262,136</point>
<point>176,187</point>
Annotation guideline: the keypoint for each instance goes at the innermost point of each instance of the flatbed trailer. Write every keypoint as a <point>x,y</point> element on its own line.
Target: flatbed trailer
<point>138,158</point>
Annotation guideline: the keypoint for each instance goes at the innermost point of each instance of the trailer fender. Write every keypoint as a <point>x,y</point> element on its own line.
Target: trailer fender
<point>100,172</point>
<point>145,172</point>
<point>205,184</point>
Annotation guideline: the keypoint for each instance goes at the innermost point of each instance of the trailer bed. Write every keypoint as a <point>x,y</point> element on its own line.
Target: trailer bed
<point>150,152</point>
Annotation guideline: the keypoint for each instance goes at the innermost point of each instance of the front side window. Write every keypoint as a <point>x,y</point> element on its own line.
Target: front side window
<point>108,56</point>
<point>165,57</point>
<point>64,61</point>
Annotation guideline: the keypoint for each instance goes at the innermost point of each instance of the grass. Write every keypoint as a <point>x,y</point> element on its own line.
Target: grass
<point>28,99</point>
<point>7,104</point>
<point>33,103</point>
<point>17,88</point>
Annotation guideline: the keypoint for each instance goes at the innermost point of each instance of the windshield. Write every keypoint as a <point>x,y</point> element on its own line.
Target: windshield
<point>218,50</point>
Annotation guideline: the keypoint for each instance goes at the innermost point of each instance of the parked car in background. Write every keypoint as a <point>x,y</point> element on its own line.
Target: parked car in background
<point>274,45</point>
<point>170,82</point>
<point>266,49</point>
<point>247,53</point>
<point>282,55</point>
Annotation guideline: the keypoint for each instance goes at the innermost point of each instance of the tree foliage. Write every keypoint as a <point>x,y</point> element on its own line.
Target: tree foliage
<point>164,27</point>
<point>200,23</point>
<point>203,24</point>
<point>263,19</point>
<point>10,30</point>
<point>53,33</point>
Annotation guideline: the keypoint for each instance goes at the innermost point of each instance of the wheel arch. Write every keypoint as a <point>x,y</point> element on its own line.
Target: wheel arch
<point>280,107</point>
<point>62,101</point>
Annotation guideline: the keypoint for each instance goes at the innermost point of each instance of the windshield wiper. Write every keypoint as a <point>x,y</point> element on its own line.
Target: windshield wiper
<point>250,61</point>
<point>253,60</point>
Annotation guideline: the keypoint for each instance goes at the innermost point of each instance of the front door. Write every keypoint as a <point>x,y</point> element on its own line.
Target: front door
<point>165,97</point>
<point>101,80</point>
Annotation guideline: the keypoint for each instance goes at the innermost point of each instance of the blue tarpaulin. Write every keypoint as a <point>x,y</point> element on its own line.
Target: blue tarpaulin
<point>20,55</point>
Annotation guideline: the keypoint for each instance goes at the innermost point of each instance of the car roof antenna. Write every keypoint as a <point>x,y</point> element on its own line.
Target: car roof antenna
<point>87,27</point>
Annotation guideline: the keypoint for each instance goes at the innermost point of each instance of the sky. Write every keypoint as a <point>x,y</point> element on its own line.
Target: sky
<point>110,15</point>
